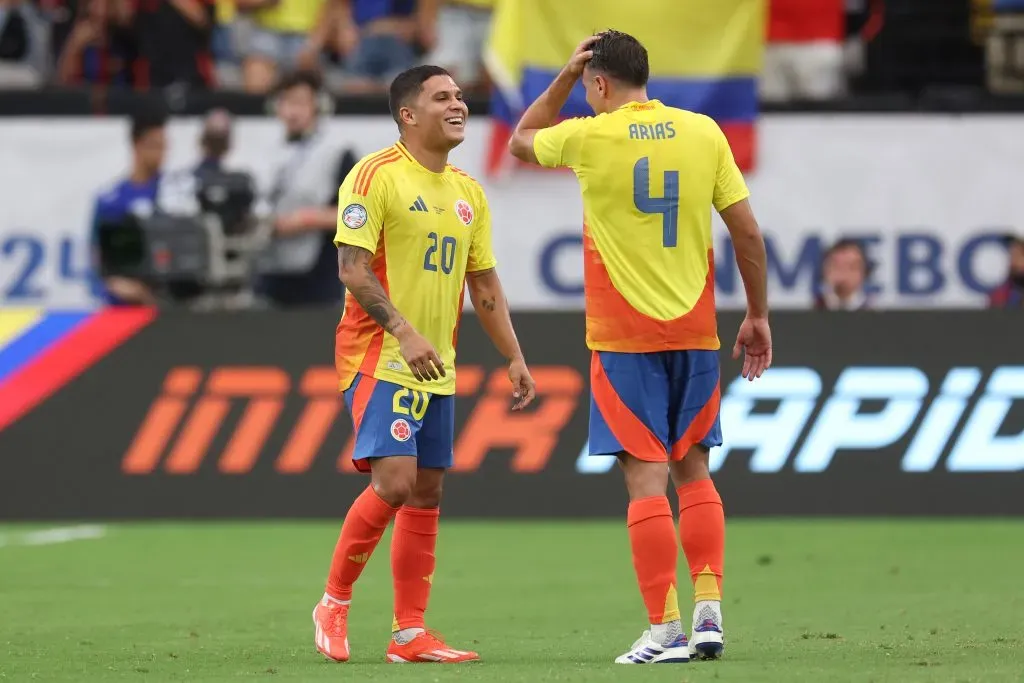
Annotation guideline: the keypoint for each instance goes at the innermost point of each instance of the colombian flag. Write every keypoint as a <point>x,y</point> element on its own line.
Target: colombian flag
<point>705,56</point>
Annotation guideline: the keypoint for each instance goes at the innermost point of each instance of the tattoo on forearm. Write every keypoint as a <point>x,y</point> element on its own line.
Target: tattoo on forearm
<point>369,292</point>
<point>488,304</point>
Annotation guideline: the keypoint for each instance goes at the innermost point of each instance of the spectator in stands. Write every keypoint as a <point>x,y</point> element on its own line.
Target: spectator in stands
<point>134,195</point>
<point>223,44</point>
<point>174,39</point>
<point>844,275</point>
<point>803,59</point>
<point>301,264</point>
<point>380,41</point>
<point>283,36</point>
<point>24,50</point>
<point>94,44</point>
<point>454,33</point>
<point>1011,293</point>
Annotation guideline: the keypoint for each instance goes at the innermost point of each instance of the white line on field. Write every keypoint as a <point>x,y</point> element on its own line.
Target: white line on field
<point>60,534</point>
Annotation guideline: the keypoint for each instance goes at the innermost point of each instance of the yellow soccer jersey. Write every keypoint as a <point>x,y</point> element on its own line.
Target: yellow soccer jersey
<point>649,175</point>
<point>426,230</point>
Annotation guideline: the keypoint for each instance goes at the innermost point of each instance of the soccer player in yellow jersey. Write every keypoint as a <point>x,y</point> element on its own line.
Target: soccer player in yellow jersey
<point>413,232</point>
<point>650,175</point>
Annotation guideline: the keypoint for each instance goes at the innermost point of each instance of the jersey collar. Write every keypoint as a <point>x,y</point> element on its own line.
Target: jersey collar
<point>642,106</point>
<point>404,151</point>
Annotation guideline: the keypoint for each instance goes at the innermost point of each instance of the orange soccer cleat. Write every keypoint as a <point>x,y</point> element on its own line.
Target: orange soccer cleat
<point>331,621</point>
<point>427,647</point>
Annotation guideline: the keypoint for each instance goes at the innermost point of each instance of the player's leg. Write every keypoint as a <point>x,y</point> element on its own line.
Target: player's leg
<point>413,558</point>
<point>414,541</point>
<point>391,460</point>
<point>628,418</point>
<point>697,429</point>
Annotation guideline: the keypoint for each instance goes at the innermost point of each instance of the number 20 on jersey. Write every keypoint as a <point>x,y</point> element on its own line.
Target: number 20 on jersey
<point>440,252</point>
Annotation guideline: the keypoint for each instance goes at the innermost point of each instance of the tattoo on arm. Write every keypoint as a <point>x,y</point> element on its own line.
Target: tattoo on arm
<point>484,280</point>
<point>367,289</point>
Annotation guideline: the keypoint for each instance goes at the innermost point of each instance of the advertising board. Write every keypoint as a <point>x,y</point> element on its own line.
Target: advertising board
<point>191,415</point>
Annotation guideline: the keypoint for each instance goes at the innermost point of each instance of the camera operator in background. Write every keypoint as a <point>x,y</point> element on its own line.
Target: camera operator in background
<point>300,267</point>
<point>1010,294</point>
<point>215,140</point>
<point>134,195</point>
<point>844,276</point>
<point>178,187</point>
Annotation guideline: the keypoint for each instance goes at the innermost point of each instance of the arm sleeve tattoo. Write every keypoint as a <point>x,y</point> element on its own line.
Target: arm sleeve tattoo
<point>366,288</point>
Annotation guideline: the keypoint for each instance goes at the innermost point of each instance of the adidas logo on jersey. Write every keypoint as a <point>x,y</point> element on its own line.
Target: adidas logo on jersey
<point>418,205</point>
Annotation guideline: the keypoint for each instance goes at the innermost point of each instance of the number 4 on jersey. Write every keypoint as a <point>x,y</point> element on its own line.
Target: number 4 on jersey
<point>667,206</point>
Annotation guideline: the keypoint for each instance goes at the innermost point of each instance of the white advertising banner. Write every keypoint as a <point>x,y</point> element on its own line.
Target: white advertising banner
<point>930,196</point>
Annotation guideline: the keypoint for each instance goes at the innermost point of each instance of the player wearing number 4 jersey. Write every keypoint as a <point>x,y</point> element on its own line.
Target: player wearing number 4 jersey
<point>649,176</point>
<point>413,231</point>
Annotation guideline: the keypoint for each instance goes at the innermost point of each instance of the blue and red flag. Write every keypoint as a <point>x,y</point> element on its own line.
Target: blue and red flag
<point>705,56</point>
<point>41,351</point>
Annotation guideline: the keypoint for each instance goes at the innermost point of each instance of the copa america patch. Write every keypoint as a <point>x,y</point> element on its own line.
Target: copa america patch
<point>400,430</point>
<point>354,216</point>
<point>464,211</point>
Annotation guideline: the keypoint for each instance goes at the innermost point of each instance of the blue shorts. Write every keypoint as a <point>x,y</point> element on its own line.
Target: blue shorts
<point>654,406</point>
<point>392,420</point>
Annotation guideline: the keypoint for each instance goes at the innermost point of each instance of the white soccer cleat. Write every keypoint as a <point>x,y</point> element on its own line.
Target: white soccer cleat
<point>646,650</point>
<point>707,640</point>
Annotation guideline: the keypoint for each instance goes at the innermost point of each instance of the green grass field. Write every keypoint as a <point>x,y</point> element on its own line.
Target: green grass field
<point>821,601</point>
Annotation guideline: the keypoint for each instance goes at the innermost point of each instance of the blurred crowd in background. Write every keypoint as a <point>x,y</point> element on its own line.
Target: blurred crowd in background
<point>816,48</point>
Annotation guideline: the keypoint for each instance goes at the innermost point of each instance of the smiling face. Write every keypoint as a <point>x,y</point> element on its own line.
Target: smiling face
<point>437,116</point>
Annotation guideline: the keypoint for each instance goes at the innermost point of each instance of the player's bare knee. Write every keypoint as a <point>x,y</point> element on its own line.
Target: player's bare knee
<point>394,479</point>
<point>427,491</point>
<point>693,467</point>
<point>644,478</point>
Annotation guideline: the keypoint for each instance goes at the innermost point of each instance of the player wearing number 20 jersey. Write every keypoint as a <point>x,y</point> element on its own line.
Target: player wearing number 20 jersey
<point>426,231</point>
<point>413,234</point>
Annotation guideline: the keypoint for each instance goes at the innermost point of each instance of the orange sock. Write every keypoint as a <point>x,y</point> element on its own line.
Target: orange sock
<point>652,536</point>
<point>412,563</point>
<point>364,525</point>
<point>702,533</point>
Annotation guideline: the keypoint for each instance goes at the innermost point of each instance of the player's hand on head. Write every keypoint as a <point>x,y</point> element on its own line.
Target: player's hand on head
<point>524,389</point>
<point>581,55</point>
<point>421,356</point>
<point>754,340</point>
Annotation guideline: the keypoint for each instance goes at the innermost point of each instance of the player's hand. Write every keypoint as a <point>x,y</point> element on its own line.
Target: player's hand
<point>420,355</point>
<point>524,390</point>
<point>581,56</point>
<point>755,340</point>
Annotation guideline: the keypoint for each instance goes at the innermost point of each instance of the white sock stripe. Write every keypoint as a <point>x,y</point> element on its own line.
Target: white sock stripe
<point>335,600</point>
